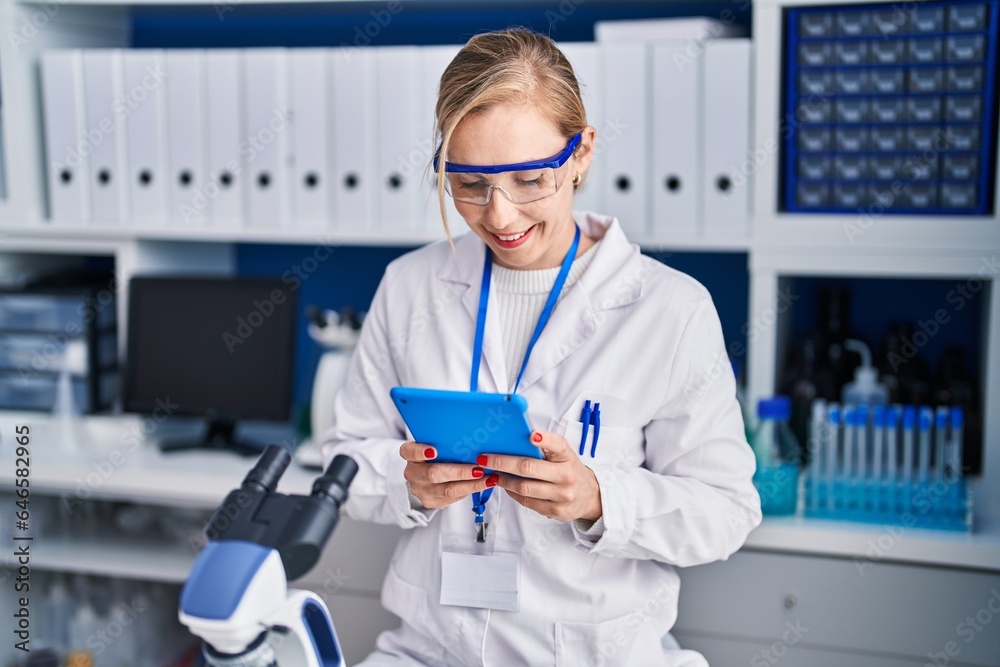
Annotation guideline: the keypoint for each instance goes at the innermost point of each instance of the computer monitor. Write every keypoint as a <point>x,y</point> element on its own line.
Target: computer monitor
<point>221,348</point>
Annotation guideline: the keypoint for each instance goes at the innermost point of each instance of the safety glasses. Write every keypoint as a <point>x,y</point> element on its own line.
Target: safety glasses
<point>521,183</point>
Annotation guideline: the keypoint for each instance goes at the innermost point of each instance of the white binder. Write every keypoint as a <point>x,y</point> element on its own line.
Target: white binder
<point>187,166</point>
<point>309,180</point>
<point>585,59</point>
<point>224,190</point>
<point>66,156</point>
<point>397,99</point>
<point>144,76</point>
<point>105,131</point>
<point>625,82</point>
<point>676,136</point>
<point>266,151</point>
<point>353,122</point>
<point>727,165</point>
<point>433,61</point>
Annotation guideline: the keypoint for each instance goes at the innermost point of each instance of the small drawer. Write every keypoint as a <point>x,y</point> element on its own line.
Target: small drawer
<point>887,109</point>
<point>927,19</point>
<point>854,23</point>
<point>962,137</point>
<point>812,194</point>
<point>42,353</point>
<point>963,107</point>
<point>815,24</point>
<point>888,22</point>
<point>852,81</point>
<point>965,79</point>
<point>967,17</point>
<point>923,109</point>
<point>851,52</point>
<point>921,195</point>
<point>925,50</point>
<point>926,79</point>
<point>850,167</point>
<point>814,139</point>
<point>884,167</point>
<point>849,195</point>
<point>886,138</point>
<point>919,167</point>
<point>961,167</point>
<point>53,313</point>
<point>886,81</point>
<point>852,110</point>
<point>966,48</point>
<point>888,52</point>
<point>815,54</point>
<point>814,167</point>
<point>812,82</point>
<point>922,138</point>
<point>814,110</point>
<point>881,194</point>
<point>850,138</point>
<point>959,195</point>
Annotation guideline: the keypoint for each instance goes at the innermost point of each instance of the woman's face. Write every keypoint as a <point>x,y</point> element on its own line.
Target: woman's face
<point>511,134</point>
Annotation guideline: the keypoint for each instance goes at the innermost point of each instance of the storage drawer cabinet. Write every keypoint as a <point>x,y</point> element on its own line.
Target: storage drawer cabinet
<point>837,604</point>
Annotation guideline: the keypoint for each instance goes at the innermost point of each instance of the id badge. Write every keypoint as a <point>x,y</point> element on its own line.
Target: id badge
<point>478,575</point>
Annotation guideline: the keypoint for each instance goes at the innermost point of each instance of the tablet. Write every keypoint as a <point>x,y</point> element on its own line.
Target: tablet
<point>461,425</point>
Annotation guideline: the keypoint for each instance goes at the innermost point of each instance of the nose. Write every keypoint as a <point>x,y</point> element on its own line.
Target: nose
<point>501,212</point>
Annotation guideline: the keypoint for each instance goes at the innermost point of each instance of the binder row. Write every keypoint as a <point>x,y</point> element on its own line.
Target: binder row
<point>340,138</point>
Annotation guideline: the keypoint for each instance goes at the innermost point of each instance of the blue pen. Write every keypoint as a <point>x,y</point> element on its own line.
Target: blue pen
<point>595,418</point>
<point>585,420</point>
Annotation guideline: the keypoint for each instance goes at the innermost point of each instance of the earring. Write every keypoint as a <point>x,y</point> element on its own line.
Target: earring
<point>576,180</point>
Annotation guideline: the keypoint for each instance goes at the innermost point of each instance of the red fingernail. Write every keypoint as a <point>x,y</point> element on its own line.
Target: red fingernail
<point>537,437</point>
<point>481,459</point>
<point>429,453</point>
<point>491,480</point>
<point>477,472</point>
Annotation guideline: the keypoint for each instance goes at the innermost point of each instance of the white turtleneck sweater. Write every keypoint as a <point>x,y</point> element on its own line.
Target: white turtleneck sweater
<point>520,297</point>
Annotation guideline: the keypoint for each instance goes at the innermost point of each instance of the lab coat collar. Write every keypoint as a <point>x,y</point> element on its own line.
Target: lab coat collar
<point>613,279</point>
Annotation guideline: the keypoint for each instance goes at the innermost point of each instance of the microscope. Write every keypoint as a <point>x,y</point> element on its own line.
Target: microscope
<point>236,598</point>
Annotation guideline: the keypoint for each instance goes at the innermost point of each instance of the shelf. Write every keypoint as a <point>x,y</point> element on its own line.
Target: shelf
<point>870,543</point>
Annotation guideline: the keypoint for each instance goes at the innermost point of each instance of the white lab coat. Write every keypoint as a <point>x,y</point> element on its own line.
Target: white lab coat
<point>673,464</point>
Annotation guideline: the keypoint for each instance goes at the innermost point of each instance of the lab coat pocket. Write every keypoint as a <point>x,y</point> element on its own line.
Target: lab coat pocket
<point>405,600</point>
<point>620,445</point>
<point>629,640</point>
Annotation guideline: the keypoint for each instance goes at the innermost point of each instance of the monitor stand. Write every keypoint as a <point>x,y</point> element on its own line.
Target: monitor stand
<point>219,436</point>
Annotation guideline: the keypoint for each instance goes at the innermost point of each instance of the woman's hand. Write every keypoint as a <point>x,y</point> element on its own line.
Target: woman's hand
<point>438,485</point>
<point>560,487</point>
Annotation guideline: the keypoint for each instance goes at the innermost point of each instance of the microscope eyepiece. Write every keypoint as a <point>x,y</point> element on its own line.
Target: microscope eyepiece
<point>336,479</point>
<point>268,470</point>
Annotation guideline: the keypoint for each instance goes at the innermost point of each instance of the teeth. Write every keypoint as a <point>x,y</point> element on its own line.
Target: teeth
<point>511,238</point>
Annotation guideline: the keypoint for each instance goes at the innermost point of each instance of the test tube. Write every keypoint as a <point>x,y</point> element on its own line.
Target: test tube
<point>909,422</point>
<point>834,418</point>
<point>850,414</point>
<point>940,443</point>
<point>878,435</point>
<point>926,419</point>
<point>892,457</point>
<point>817,437</point>
<point>861,439</point>
<point>957,444</point>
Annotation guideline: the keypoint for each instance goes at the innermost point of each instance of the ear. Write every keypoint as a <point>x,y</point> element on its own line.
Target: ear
<point>584,153</point>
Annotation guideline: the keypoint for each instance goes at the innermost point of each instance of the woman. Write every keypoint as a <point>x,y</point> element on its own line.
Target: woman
<point>575,567</point>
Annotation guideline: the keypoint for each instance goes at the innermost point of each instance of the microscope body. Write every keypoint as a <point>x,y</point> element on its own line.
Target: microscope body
<point>236,597</point>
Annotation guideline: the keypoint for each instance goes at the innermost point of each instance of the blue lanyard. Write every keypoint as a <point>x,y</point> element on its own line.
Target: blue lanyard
<point>479,499</point>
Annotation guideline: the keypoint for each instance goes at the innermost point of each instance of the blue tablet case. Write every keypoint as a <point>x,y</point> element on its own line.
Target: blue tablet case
<point>462,425</point>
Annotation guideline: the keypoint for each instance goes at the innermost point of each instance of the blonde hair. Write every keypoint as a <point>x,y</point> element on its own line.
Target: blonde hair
<point>507,66</point>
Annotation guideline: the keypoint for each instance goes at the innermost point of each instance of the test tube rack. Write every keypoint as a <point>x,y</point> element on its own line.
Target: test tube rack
<point>887,464</point>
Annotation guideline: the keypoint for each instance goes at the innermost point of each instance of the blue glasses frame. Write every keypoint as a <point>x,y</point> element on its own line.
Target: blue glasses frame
<point>553,162</point>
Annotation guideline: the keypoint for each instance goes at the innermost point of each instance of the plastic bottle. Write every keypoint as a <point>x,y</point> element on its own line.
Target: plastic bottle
<point>778,456</point>
<point>866,389</point>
